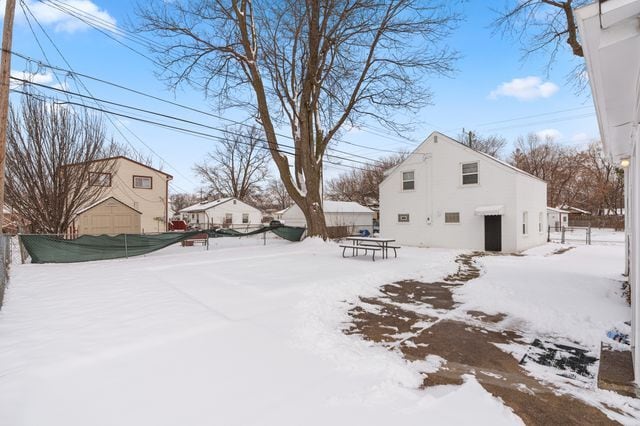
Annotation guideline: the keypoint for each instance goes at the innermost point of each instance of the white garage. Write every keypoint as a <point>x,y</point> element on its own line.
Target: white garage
<point>338,214</point>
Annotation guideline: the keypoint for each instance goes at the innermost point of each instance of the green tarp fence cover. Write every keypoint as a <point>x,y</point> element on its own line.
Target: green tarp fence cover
<point>53,249</point>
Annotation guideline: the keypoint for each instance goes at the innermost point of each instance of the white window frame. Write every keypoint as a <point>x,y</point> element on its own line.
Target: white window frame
<point>525,223</point>
<point>540,223</point>
<point>451,223</point>
<point>413,180</point>
<point>463,174</point>
<point>400,215</point>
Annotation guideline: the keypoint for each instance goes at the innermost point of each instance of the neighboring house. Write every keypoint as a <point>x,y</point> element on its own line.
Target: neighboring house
<point>223,212</point>
<point>337,214</point>
<point>446,194</point>
<point>557,218</point>
<point>610,38</point>
<point>140,187</point>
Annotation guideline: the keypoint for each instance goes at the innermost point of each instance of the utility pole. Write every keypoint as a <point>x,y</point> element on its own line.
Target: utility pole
<point>5,74</point>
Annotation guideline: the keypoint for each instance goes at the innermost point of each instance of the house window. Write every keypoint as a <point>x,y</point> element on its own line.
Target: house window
<point>564,218</point>
<point>408,182</point>
<point>525,223</point>
<point>540,222</point>
<point>143,182</point>
<point>403,217</point>
<point>470,173</point>
<point>452,217</point>
<point>228,218</point>
<point>245,217</point>
<point>99,179</point>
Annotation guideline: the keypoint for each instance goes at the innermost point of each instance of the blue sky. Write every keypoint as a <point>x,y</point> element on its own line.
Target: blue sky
<point>493,91</point>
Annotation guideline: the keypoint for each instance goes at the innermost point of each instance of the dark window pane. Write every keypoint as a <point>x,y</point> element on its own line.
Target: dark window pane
<point>469,179</point>
<point>470,168</point>
<point>408,185</point>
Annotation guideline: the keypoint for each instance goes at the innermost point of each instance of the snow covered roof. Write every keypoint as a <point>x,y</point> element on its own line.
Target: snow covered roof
<point>497,210</point>
<point>344,207</point>
<point>205,205</point>
<point>553,209</point>
<point>330,206</point>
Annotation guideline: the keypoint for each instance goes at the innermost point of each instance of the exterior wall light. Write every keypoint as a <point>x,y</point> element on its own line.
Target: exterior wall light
<point>624,163</point>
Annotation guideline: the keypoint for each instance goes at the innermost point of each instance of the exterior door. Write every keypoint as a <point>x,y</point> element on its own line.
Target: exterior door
<point>493,233</point>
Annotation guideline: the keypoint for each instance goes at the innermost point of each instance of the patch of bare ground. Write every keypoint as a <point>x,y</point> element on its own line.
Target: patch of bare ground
<point>397,320</point>
<point>561,250</point>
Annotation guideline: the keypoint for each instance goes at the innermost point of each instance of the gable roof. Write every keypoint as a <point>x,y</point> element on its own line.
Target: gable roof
<point>120,157</point>
<point>330,206</point>
<point>102,200</point>
<point>206,205</point>
<point>553,209</point>
<point>452,140</point>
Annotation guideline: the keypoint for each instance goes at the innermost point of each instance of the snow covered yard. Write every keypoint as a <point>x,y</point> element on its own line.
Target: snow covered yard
<point>245,334</point>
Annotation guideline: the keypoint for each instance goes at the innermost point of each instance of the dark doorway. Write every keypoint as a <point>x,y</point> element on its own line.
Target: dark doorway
<point>493,233</point>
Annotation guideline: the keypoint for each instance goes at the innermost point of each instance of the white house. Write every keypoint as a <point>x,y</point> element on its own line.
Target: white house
<point>557,218</point>
<point>223,212</point>
<point>610,38</point>
<point>446,194</point>
<point>337,214</point>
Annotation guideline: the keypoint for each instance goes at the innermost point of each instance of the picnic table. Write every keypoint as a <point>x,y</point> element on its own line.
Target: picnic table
<point>369,244</point>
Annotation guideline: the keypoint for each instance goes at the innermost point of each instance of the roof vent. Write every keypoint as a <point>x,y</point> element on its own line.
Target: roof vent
<point>435,138</point>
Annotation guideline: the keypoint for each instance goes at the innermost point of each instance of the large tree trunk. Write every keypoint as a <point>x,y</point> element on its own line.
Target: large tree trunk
<point>312,209</point>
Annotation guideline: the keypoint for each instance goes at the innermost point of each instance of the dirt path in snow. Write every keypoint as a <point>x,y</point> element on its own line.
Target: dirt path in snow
<point>420,319</point>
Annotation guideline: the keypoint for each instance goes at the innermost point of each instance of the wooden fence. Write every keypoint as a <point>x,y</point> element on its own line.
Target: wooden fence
<point>585,220</point>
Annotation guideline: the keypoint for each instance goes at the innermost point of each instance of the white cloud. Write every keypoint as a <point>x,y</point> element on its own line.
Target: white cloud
<point>62,21</point>
<point>549,134</point>
<point>525,89</point>
<point>40,78</point>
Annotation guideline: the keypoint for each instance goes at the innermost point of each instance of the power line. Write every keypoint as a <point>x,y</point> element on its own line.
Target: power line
<point>91,20</point>
<point>76,81</point>
<point>183,120</point>
<point>172,127</point>
<point>56,68</point>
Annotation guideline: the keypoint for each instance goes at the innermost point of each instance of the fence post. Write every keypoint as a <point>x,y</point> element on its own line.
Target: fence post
<point>562,237</point>
<point>264,238</point>
<point>126,249</point>
<point>549,233</point>
<point>589,235</point>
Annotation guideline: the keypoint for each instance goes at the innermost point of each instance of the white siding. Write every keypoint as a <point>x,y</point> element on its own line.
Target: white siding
<point>216,215</point>
<point>438,190</point>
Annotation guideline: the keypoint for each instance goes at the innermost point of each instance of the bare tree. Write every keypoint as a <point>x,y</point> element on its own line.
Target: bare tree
<point>545,26</point>
<point>362,185</point>
<point>308,65</point>
<point>605,181</point>
<point>50,169</point>
<point>492,144</point>
<point>238,165</point>
<point>560,166</point>
<point>278,194</point>
<point>181,200</point>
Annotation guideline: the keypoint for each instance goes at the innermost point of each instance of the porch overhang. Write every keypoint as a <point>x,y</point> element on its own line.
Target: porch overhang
<point>497,210</point>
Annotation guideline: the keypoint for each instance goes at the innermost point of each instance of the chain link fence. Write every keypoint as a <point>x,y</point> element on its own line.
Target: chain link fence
<point>586,235</point>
